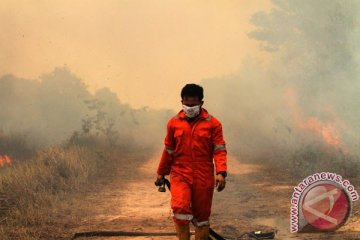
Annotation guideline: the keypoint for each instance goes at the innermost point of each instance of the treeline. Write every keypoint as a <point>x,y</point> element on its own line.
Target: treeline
<point>58,106</point>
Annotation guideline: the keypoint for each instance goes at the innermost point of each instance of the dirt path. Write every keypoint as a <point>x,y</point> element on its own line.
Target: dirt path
<point>254,199</point>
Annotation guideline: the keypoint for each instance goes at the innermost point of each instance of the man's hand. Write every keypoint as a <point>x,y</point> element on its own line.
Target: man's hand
<point>159,180</point>
<point>220,182</point>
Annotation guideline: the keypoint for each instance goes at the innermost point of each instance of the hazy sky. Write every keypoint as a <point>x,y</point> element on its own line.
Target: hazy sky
<point>143,50</point>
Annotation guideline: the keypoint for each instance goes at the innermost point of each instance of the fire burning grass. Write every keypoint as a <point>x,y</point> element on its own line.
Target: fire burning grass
<point>327,130</point>
<point>319,141</point>
<point>5,160</point>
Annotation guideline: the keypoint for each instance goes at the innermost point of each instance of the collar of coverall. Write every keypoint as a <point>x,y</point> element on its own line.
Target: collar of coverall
<point>203,114</point>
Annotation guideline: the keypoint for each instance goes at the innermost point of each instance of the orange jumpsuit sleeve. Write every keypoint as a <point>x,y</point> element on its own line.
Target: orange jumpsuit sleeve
<point>220,153</point>
<point>168,152</point>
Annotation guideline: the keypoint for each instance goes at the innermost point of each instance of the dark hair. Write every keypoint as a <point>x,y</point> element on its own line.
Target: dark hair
<point>192,90</point>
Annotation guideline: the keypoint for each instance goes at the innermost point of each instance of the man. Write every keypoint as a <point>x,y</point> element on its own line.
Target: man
<point>194,138</point>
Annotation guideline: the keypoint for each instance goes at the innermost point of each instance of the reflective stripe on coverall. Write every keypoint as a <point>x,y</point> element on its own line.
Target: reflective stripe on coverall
<point>190,149</point>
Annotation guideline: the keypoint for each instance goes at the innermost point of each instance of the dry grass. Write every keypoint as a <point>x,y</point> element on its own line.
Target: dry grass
<point>33,192</point>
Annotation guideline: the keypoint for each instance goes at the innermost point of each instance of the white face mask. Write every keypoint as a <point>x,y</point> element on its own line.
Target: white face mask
<point>191,111</point>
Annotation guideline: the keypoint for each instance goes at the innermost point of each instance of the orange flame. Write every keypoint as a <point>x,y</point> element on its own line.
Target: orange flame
<point>327,130</point>
<point>4,160</point>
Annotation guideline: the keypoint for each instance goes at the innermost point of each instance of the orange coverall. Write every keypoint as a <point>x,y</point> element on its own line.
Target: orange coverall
<point>190,148</point>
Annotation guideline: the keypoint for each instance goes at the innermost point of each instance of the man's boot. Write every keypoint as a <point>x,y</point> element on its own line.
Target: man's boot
<point>202,233</point>
<point>183,231</point>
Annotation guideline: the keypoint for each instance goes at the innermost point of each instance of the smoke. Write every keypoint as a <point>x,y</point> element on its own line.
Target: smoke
<point>50,110</point>
<point>300,108</point>
<point>306,99</point>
